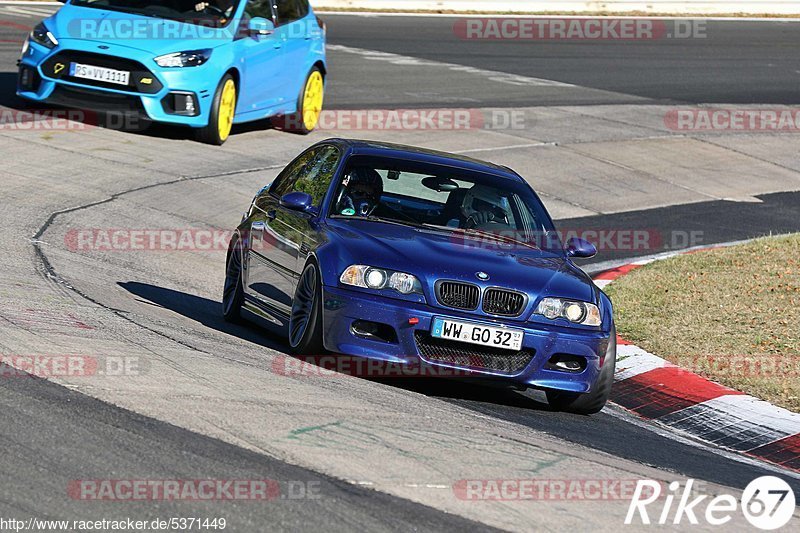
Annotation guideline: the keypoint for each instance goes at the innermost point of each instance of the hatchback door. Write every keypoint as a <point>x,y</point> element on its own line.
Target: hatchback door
<point>296,29</point>
<point>265,62</point>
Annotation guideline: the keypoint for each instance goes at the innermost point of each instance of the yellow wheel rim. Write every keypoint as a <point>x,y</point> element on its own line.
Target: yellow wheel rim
<point>227,107</point>
<point>313,96</point>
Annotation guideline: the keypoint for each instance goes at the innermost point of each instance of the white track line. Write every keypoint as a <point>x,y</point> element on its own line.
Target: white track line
<point>31,12</point>
<point>493,75</point>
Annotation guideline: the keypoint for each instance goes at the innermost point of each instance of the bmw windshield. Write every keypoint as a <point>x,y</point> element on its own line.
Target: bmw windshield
<point>215,13</point>
<point>443,198</point>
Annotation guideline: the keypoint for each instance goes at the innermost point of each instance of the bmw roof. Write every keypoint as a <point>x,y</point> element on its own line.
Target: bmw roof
<point>414,153</point>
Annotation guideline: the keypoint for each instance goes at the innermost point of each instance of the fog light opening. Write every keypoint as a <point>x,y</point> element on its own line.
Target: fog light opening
<point>374,331</point>
<point>567,363</point>
<point>28,79</point>
<point>181,103</point>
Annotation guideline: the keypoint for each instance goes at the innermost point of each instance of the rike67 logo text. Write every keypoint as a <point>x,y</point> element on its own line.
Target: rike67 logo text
<point>767,503</point>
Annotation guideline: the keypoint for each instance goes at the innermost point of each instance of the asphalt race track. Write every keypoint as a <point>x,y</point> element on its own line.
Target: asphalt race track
<point>212,400</point>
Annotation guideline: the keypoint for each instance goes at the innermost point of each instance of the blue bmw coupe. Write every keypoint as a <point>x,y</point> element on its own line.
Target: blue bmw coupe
<point>410,256</point>
<point>205,64</point>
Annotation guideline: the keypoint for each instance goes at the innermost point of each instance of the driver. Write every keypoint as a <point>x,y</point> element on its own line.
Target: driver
<point>363,188</point>
<point>475,210</point>
<point>223,6</point>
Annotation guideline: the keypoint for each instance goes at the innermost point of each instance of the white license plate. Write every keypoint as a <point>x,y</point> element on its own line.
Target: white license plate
<point>455,330</point>
<point>91,72</point>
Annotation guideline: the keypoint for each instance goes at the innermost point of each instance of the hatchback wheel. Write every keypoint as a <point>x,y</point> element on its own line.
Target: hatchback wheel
<point>223,108</point>
<point>309,104</point>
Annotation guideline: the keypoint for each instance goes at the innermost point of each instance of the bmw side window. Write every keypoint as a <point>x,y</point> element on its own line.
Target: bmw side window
<point>284,183</point>
<point>317,176</point>
<point>312,173</point>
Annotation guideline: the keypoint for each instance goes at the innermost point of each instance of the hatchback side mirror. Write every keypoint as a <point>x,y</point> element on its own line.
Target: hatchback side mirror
<point>297,201</point>
<point>580,248</point>
<point>260,27</point>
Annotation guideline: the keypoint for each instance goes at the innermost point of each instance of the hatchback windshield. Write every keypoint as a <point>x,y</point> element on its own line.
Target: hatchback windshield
<point>443,198</point>
<point>201,12</point>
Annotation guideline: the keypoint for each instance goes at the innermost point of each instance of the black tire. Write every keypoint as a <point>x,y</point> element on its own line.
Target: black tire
<point>210,134</point>
<point>295,123</point>
<point>305,322</point>
<point>233,292</point>
<point>594,401</point>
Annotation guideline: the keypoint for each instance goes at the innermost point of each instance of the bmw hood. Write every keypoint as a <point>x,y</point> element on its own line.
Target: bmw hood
<point>433,255</point>
<point>116,30</point>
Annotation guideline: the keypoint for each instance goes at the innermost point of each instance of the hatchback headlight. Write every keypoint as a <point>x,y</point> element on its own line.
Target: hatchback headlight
<point>41,35</point>
<point>576,312</point>
<point>369,277</point>
<point>190,58</point>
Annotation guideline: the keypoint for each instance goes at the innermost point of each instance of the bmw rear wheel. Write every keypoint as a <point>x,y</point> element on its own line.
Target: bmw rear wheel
<point>309,104</point>
<point>223,108</point>
<point>305,322</point>
<point>591,402</point>
<point>233,292</point>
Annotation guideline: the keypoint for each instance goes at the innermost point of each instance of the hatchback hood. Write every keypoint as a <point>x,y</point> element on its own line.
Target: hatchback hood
<point>117,30</point>
<point>432,255</point>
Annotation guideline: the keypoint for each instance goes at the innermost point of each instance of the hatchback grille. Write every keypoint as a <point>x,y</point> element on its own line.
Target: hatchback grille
<point>458,295</point>
<point>471,356</point>
<point>503,302</point>
<point>141,79</point>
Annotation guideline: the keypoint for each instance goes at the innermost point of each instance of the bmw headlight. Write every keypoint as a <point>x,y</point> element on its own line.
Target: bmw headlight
<point>41,35</point>
<point>576,312</point>
<point>369,277</point>
<point>191,58</point>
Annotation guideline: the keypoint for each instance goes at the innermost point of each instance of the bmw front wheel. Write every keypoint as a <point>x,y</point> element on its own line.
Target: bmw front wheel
<point>593,401</point>
<point>305,322</point>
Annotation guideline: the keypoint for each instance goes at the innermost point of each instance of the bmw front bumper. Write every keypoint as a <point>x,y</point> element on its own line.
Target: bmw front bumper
<point>345,310</point>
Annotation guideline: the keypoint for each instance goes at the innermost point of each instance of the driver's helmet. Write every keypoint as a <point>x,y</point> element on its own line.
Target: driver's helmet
<point>480,198</point>
<point>363,188</point>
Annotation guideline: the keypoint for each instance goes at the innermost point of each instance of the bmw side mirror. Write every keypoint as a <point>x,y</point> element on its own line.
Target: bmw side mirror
<point>260,27</point>
<point>297,201</point>
<point>580,248</point>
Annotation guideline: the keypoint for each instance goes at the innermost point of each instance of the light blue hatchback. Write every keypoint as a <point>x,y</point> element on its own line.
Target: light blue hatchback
<point>205,64</point>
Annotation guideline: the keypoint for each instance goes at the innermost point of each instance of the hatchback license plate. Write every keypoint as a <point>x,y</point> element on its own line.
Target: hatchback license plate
<point>91,72</point>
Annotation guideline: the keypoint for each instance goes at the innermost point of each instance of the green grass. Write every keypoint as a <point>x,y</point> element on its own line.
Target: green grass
<point>730,314</point>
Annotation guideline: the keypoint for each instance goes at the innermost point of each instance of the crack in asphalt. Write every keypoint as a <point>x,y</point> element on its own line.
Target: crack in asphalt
<point>48,272</point>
